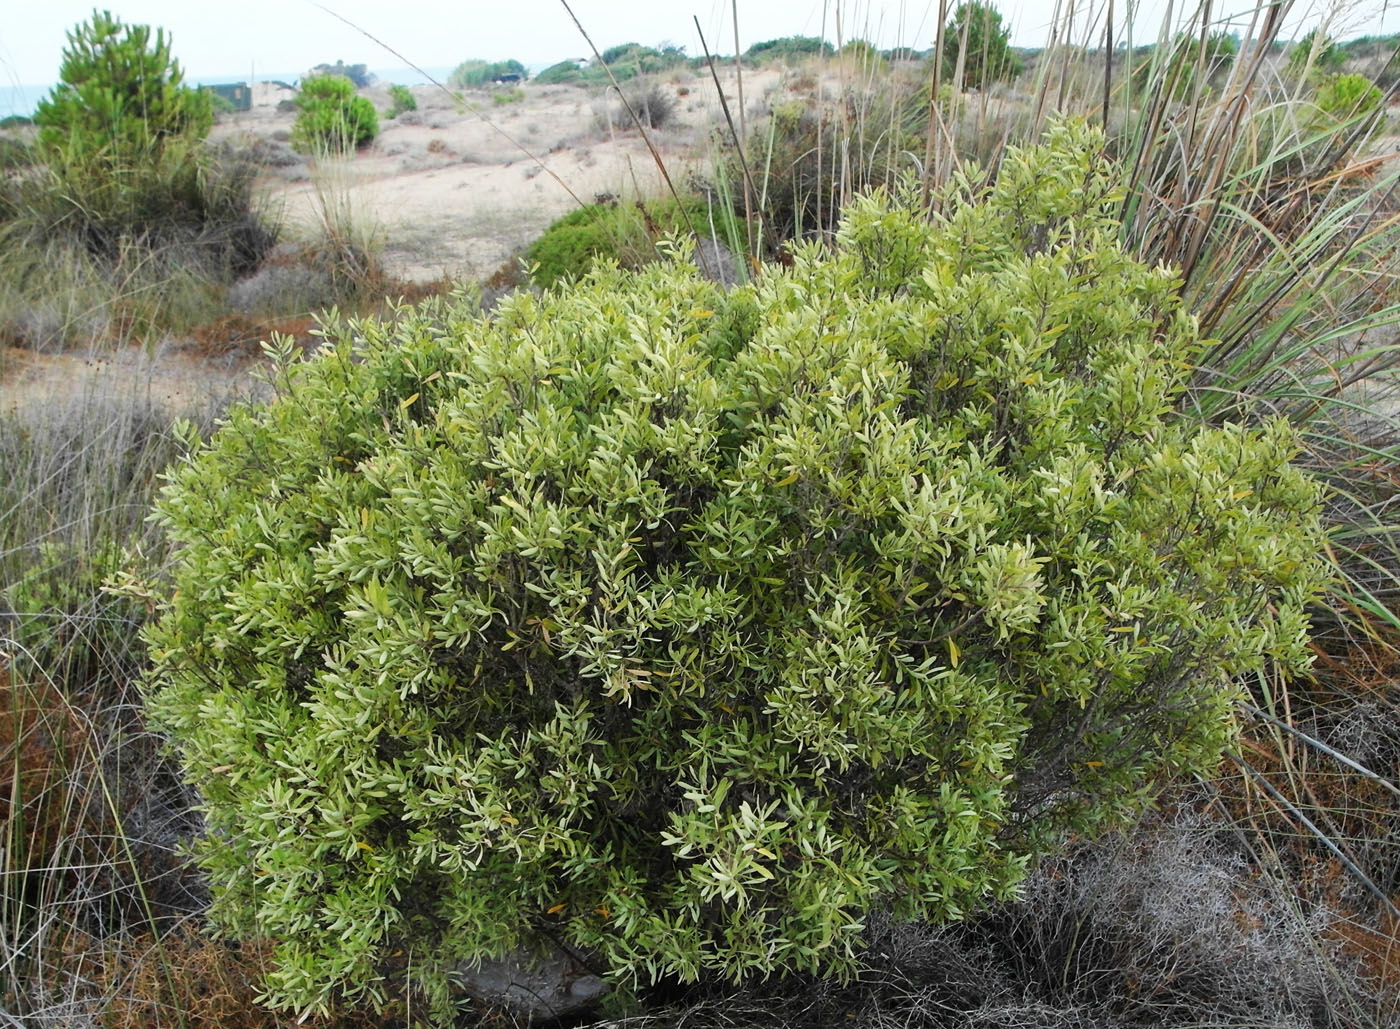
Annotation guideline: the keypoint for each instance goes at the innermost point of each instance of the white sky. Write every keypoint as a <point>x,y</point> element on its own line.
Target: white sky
<point>279,37</point>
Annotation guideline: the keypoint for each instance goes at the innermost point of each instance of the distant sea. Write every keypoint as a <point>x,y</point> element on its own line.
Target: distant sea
<point>22,99</point>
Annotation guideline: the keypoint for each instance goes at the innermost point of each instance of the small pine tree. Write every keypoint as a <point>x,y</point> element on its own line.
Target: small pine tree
<point>987,57</point>
<point>121,96</point>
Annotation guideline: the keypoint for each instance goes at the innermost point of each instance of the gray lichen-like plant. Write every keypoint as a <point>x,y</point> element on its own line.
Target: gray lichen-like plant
<point>686,629</point>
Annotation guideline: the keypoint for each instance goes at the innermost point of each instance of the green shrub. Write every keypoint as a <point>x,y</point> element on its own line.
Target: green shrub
<point>127,178</point>
<point>988,57</point>
<point>1314,55</point>
<point>687,627</point>
<point>559,74</point>
<point>16,121</point>
<point>483,73</point>
<point>787,48</point>
<point>403,99</point>
<point>1342,98</point>
<point>624,234</point>
<point>332,117</point>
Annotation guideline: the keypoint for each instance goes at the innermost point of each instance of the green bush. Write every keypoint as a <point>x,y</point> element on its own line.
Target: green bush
<point>559,74</point>
<point>787,48</point>
<point>332,117</point>
<point>1342,98</point>
<point>988,57</point>
<point>403,99</point>
<point>483,73</point>
<point>1328,58</point>
<point>624,234</point>
<point>128,178</point>
<point>687,628</point>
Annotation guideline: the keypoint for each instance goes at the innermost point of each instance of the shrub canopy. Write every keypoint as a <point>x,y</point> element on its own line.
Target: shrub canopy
<point>688,627</point>
<point>332,117</point>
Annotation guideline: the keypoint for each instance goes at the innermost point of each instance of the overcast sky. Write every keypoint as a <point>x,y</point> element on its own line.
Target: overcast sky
<point>279,37</point>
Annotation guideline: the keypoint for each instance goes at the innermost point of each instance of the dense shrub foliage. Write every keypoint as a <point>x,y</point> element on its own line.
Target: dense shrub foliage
<point>404,101</point>
<point>624,233</point>
<point>332,117</point>
<point>690,627</point>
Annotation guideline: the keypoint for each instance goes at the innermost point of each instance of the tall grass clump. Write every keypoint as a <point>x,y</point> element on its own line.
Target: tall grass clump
<point>94,819</point>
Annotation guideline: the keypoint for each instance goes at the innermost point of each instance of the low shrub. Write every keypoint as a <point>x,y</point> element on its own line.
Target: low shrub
<point>403,99</point>
<point>331,117</point>
<point>624,234</point>
<point>559,74</point>
<point>653,105</point>
<point>686,628</point>
<point>1344,98</point>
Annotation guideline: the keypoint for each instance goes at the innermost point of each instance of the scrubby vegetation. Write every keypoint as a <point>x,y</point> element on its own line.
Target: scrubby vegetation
<point>121,215</point>
<point>623,233</point>
<point>474,73</point>
<point>403,99</point>
<point>1262,894</point>
<point>977,44</point>
<point>331,117</point>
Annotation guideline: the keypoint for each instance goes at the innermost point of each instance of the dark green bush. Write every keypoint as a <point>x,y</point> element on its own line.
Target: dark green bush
<point>571,246</point>
<point>403,99</point>
<point>687,628</point>
<point>986,48</point>
<point>1178,68</point>
<point>332,117</point>
<point>122,139</point>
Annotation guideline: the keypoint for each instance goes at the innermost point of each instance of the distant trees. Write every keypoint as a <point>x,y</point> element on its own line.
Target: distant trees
<point>479,73</point>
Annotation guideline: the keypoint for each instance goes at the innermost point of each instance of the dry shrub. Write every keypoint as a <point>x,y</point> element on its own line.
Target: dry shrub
<point>187,979</point>
<point>40,741</point>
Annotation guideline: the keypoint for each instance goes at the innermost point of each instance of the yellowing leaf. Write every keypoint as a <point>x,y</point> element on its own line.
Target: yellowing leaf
<point>409,401</point>
<point>510,820</point>
<point>362,845</point>
<point>556,909</point>
<point>954,654</point>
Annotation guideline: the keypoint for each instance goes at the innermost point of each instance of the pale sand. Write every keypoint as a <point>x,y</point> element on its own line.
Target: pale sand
<point>457,192</point>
